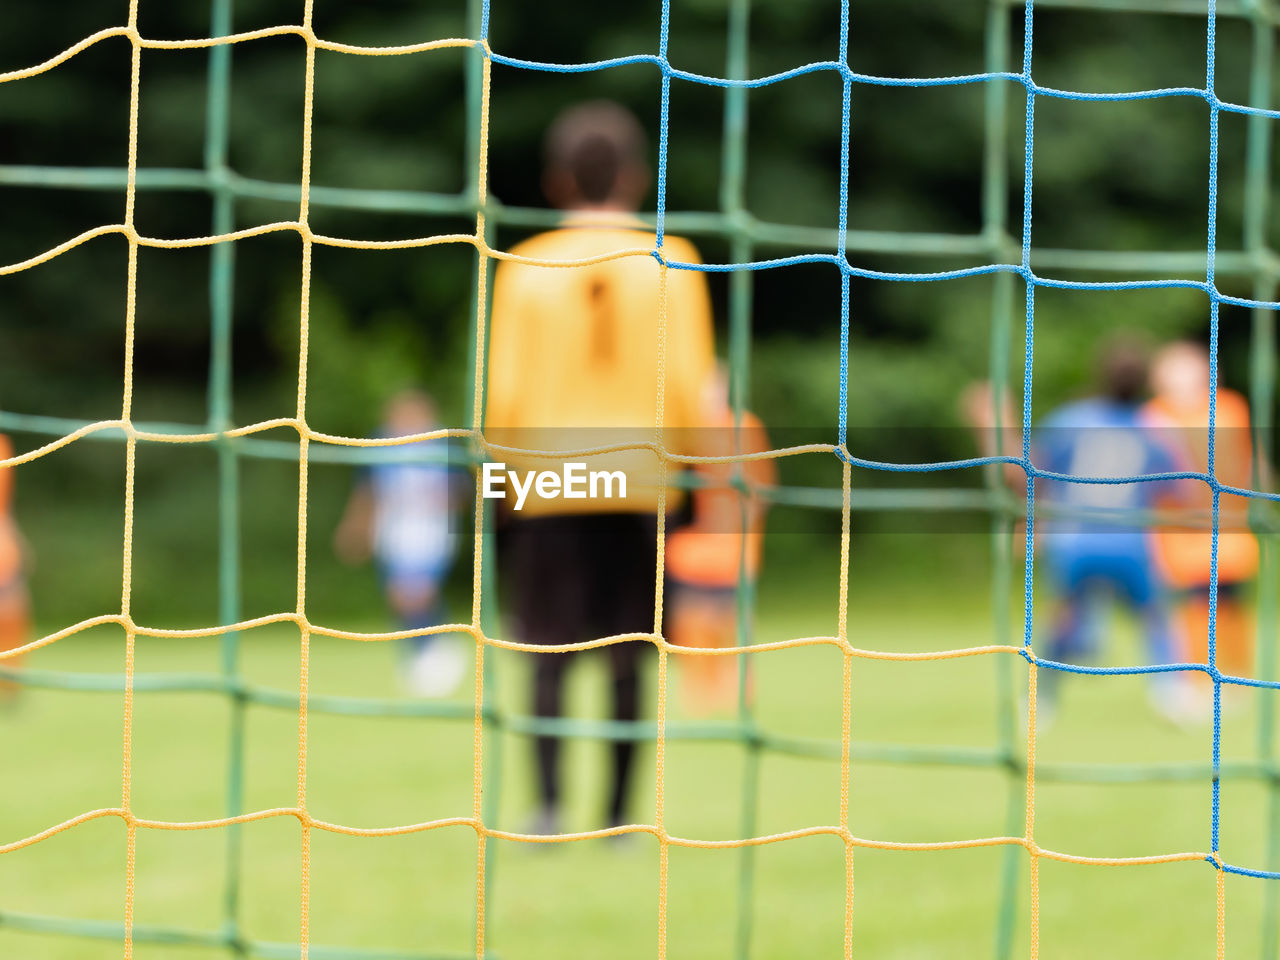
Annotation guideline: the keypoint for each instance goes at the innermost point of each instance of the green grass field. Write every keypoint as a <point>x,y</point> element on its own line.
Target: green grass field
<point>597,898</point>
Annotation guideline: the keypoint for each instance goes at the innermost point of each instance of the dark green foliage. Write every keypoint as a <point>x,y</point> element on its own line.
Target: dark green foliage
<point>1116,177</point>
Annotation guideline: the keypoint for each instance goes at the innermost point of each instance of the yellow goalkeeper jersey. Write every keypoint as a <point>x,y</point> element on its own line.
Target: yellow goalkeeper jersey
<point>574,359</point>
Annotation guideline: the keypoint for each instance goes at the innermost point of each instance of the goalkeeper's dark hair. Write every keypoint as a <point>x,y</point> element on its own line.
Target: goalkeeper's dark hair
<point>1122,368</point>
<point>594,143</point>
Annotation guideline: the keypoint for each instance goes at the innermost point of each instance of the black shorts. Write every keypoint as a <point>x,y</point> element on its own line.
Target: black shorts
<point>1229,590</point>
<point>579,577</point>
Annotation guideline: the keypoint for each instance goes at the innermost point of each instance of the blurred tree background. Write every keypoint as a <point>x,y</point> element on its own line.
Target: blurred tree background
<point>1108,177</point>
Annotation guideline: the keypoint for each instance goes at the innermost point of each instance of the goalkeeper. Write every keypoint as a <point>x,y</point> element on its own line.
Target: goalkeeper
<point>574,362</point>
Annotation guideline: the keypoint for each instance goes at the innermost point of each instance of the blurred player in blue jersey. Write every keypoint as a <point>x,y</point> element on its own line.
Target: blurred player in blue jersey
<point>401,514</point>
<point>1092,548</point>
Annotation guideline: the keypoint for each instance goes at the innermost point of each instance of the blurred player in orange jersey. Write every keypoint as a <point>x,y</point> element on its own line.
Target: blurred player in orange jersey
<point>719,550</point>
<point>1180,406</point>
<point>14,604</point>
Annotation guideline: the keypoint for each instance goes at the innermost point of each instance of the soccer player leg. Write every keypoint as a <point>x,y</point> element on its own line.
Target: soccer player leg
<point>707,618</point>
<point>1080,577</point>
<point>1235,630</point>
<point>1141,587</point>
<point>15,628</point>
<point>1192,611</point>
<point>721,684</point>
<point>625,667</point>
<point>1074,618</point>
<point>548,579</point>
<point>625,604</point>
<point>548,701</point>
<point>433,665</point>
<point>1074,613</point>
<point>414,598</point>
<point>722,680</point>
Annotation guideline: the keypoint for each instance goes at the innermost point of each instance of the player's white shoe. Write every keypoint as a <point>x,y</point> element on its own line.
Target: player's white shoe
<point>436,670</point>
<point>1181,702</point>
